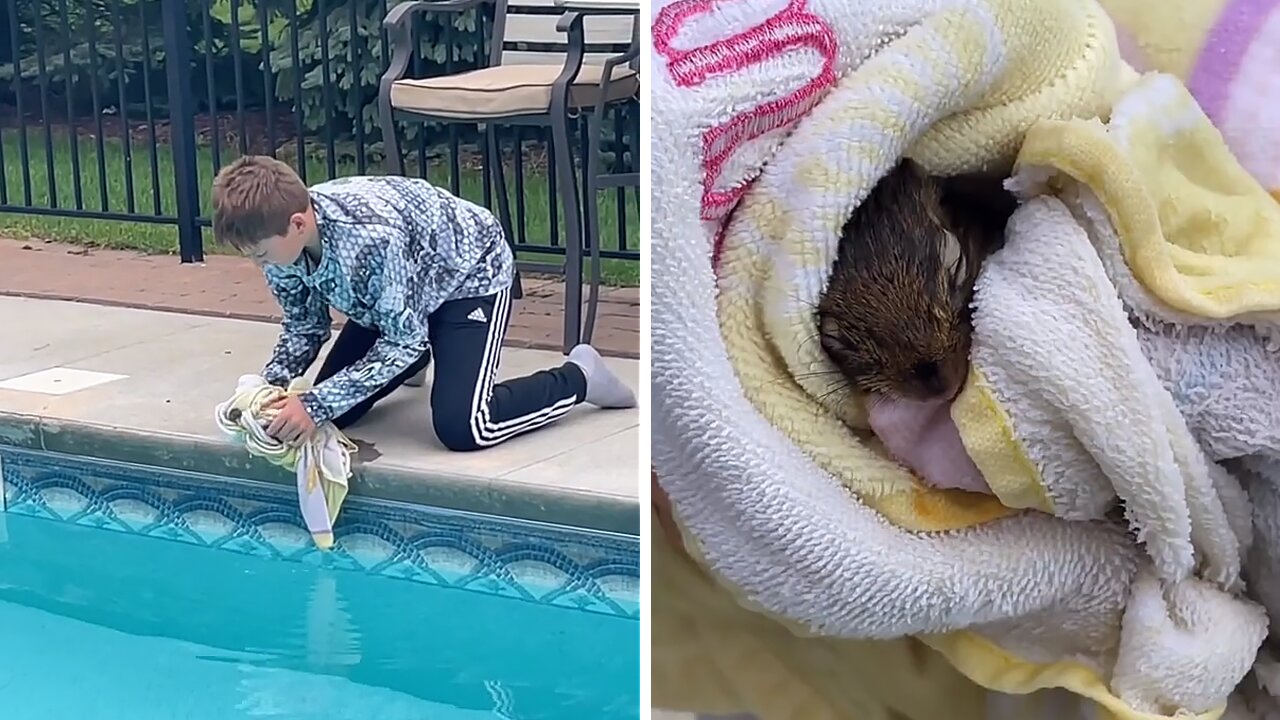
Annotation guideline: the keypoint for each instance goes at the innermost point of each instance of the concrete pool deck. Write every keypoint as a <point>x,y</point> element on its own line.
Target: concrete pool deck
<point>164,372</point>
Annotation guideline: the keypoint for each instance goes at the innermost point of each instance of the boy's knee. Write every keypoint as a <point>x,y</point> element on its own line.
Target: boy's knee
<point>456,431</point>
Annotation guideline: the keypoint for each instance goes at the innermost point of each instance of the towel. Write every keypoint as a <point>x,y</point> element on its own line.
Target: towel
<point>773,129</point>
<point>1217,373</point>
<point>1187,390</point>
<point>1153,406</point>
<point>716,657</point>
<point>1226,51</point>
<point>322,462</point>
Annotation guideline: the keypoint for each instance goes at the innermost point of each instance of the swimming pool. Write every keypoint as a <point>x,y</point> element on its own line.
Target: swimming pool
<point>129,592</point>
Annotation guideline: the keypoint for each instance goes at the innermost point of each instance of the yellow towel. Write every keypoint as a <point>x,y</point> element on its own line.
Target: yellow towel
<point>322,462</point>
<point>1197,230</point>
<point>953,109</point>
<point>1226,52</point>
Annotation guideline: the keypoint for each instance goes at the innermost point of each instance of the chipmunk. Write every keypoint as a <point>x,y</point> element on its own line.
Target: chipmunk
<point>895,317</point>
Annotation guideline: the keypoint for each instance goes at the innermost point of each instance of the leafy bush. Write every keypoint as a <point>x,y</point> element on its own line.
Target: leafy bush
<point>349,34</point>
<point>66,27</point>
<point>108,49</point>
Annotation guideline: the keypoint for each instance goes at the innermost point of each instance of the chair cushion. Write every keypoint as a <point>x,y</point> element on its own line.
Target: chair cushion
<point>506,90</point>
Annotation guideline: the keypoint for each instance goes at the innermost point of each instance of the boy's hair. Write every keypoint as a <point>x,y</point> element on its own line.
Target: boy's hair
<point>253,199</point>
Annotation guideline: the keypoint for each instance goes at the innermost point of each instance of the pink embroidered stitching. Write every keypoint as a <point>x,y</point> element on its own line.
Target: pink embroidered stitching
<point>794,27</point>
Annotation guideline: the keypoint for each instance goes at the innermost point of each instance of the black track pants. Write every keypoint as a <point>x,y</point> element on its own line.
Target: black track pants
<point>468,409</point>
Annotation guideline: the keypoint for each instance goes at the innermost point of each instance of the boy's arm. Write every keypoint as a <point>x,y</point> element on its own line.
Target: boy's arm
<point>303,331</point>
<point>403,337</point>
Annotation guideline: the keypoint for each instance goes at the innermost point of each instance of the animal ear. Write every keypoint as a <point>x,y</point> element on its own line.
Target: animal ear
<point>910,174</point>
<point>911,167</point>
<point>953,255</point>
<point>979,200</point>
<point>905,177</point>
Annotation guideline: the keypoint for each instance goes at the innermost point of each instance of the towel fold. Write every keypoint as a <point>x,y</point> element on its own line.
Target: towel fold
<point>321,462</point>
<point>1085,416</point>
<point>1226,51</point>
<point>1149,397</point>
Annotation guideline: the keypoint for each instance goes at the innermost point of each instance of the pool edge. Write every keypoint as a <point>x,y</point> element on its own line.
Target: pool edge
<point>378,480</point>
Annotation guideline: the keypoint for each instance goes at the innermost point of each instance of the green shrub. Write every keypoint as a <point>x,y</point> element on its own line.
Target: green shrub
<point>348,31</point>
<point>108,51</point>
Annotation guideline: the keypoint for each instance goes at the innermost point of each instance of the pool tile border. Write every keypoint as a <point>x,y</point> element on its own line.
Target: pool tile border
<point>379,479</point>
<point>536,562</point>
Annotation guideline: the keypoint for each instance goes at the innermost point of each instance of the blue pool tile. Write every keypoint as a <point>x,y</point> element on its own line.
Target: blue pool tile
<point>566,567</point>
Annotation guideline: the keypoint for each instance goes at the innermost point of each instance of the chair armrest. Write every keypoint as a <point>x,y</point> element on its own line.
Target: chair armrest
<point>571,24</point>
<point>399,15</point>
<point>399,26</point>
<point>626,58</point>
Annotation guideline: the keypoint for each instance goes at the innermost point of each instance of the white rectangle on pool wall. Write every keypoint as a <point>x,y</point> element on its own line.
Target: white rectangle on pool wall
<point>58,381</point>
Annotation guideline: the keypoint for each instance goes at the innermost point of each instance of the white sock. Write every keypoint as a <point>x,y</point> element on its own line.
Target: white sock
<point>604,389</point>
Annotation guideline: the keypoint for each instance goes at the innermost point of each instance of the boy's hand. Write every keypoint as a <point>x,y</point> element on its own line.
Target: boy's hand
<point>292,423</point>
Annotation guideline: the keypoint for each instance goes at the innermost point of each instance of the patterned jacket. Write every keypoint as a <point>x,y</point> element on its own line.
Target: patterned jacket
<point>393,250</point>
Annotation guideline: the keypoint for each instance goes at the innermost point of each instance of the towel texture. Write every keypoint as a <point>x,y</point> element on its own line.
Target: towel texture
<point>322,462</point>
<point>1128,410</point>
<point>1095,423</point>
<point>715,656</point>
<point>773,129</point>
<point>1226,51</point>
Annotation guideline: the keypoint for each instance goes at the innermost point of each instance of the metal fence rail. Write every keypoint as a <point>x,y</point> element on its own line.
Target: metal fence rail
<point>124,110</point>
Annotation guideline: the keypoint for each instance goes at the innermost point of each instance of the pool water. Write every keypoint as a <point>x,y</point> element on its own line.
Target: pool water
<point>115,626</point>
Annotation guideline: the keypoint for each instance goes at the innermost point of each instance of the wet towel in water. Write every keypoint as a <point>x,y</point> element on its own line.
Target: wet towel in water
<point>773,129</point>
<point>322,462</point>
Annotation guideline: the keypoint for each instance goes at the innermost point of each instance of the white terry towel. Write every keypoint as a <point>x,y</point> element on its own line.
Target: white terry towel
<point>322,463</point>
<point>1058,351</point>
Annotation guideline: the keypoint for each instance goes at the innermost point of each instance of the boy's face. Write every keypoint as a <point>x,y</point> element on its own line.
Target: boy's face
<point>284,249</point>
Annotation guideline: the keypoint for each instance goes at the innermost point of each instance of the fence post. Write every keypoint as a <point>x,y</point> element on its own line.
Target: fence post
<point>182,139</point>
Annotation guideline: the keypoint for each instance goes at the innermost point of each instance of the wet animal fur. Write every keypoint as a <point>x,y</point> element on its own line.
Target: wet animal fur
<point>895,317</point>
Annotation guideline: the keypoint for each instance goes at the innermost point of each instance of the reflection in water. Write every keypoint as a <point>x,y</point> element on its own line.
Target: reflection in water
<point>218,634</point>
<point>332,642</point>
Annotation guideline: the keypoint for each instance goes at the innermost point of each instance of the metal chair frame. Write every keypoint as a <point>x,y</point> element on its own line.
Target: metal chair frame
<point>399,26</point>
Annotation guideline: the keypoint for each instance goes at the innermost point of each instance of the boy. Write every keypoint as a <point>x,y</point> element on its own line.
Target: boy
<point>420,275</point>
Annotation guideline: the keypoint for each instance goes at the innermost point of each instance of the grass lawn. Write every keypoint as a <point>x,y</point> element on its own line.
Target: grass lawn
<point>163,239</point>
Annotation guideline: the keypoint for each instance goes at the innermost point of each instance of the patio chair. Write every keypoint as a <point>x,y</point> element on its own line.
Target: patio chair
<point>544,68</point>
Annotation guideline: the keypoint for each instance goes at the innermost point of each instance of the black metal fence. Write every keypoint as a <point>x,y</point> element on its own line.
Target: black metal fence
<point>123,110</point>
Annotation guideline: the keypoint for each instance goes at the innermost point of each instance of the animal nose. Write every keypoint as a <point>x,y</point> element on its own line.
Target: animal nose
<point>929,376</point>
<point>926,372</point>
